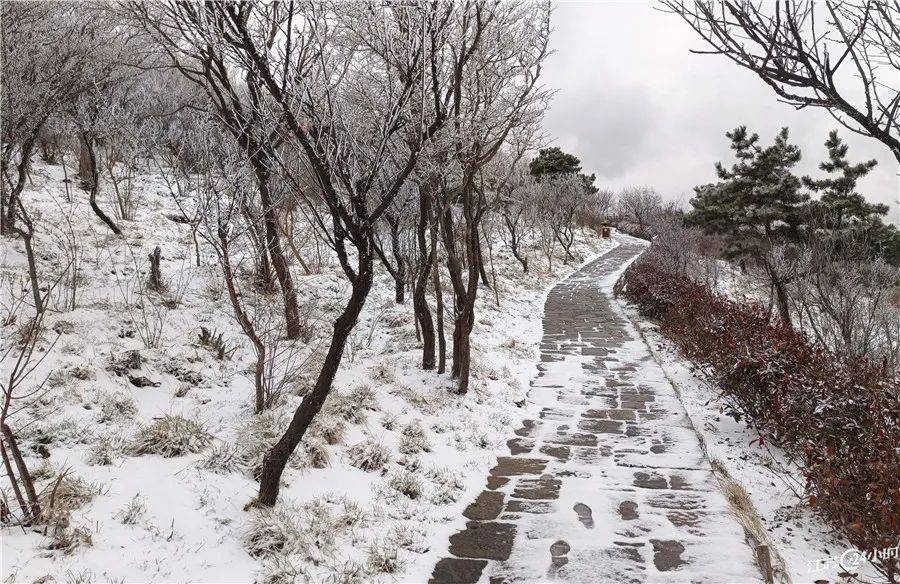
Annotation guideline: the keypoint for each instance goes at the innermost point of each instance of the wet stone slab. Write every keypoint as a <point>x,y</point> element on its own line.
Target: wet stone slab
<point>528,506</point>
<point>511,466</point>
<point>611,414</point>
<point>489,540</point>
<point>457,571</point>
<point>560,453</point>
<point>488,505</point>
<point>529,428</point>
<point>601,426</point>
<point>667,554</point>
<point>520,445</point>
<point>572,439</point>
<point>544,488</point>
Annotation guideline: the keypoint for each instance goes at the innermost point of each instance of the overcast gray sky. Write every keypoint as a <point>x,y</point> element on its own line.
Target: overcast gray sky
<point>638,108</point>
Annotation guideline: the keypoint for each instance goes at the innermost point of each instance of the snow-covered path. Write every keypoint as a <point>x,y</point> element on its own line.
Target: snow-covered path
<point>608,482</point>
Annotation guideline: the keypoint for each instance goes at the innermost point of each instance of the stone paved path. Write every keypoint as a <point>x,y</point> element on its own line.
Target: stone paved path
<point>608,483</point>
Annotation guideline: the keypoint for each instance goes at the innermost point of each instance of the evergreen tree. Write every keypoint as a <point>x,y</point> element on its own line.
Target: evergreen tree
<point>554,162</point>
<point>843,211</point>
<point>757,204</point>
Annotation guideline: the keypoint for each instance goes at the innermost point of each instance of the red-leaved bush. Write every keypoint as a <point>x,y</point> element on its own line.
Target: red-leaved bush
<point>839,419</point>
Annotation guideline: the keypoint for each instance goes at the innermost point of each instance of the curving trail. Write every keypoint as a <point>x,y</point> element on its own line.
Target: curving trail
<point>608,483</point>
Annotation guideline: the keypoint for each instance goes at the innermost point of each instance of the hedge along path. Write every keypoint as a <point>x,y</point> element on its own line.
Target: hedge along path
<point>608,482</point>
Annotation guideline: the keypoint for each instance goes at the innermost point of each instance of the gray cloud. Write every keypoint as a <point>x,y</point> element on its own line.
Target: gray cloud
<point>638,108</point>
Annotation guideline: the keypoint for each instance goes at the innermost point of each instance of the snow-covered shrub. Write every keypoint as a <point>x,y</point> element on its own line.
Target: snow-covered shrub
<point>339,404</point>
<point>448,486</point>
<point>309,531</point>
<point>258,434</point>
<point>351,515</point>
<point>116,407</point>
<point>105,451</point>
<point>368,455</point>
<point>348,572</point>
<point>66,432</point>
<point>68,540</point>
<point>413,439</point>
<point>364,397</point>
<point>389,420</point>
<point>274,530</point>
<point>384,557</point>
<point>382,371</point>
<point>353,405</point>
<point>58,378</point>
<point>406,483</point>
<point>123,363</point>
<point>280,569</point>
<point>81,577</point>
<point>131,513</point>
<point>837,416</point>
<point>315,452</point>
<point>171,435</point>
<point>223,458</point>
<point>329,428</point>
<point>81,373</point>
<point>61,496</point>
<point>407,537</point>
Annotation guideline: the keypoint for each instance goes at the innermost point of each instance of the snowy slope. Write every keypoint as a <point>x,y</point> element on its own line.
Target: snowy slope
<point>146,517</point>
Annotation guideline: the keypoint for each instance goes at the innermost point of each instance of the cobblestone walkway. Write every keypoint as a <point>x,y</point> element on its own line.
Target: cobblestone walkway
<point>608,483</point>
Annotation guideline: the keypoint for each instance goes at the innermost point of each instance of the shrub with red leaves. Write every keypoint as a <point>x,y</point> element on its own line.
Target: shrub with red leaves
<point>838,418</point>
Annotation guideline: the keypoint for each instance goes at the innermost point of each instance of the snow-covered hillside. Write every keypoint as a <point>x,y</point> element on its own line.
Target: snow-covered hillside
<point>148,455</point>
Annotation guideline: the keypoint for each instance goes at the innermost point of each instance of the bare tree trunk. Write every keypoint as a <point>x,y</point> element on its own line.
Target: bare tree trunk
<point>24,475</point>
<point>426,259</point>
<point>438,305</point>
<point>155,283</point>
<point>276,459</point>
<point>479,257</point>
<point>85,174</point>
<point>464,292</point>
<point>23,504</point>
<point>513,230</point>
<point>246,325</point>
<point>273,245</point>
<point>92,180</point>
<point>397,271</point>
<point>10,201</point>
<point>781,297</point>
<point>32,267</point>
<point>454,269</point>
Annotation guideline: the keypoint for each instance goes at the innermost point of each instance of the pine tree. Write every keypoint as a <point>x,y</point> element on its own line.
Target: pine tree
<point>554,162</point>
<point>757,204</point>
<point>845,212</point>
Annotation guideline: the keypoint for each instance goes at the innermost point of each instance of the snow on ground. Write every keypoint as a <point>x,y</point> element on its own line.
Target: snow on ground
<point>811,550</point>
<point>145,517</point>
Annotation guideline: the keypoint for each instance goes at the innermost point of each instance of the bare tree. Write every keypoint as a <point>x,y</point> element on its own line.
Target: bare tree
<point>339,81</point>
<point>839,56</point>
<point>502,97</point>
<point>48,50</point>
<point>20,388</point>
<point>563,197</point>
<point>194,38</point>
<point>517,200</point>
<point>843,299</point>
<point>638,206</point>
